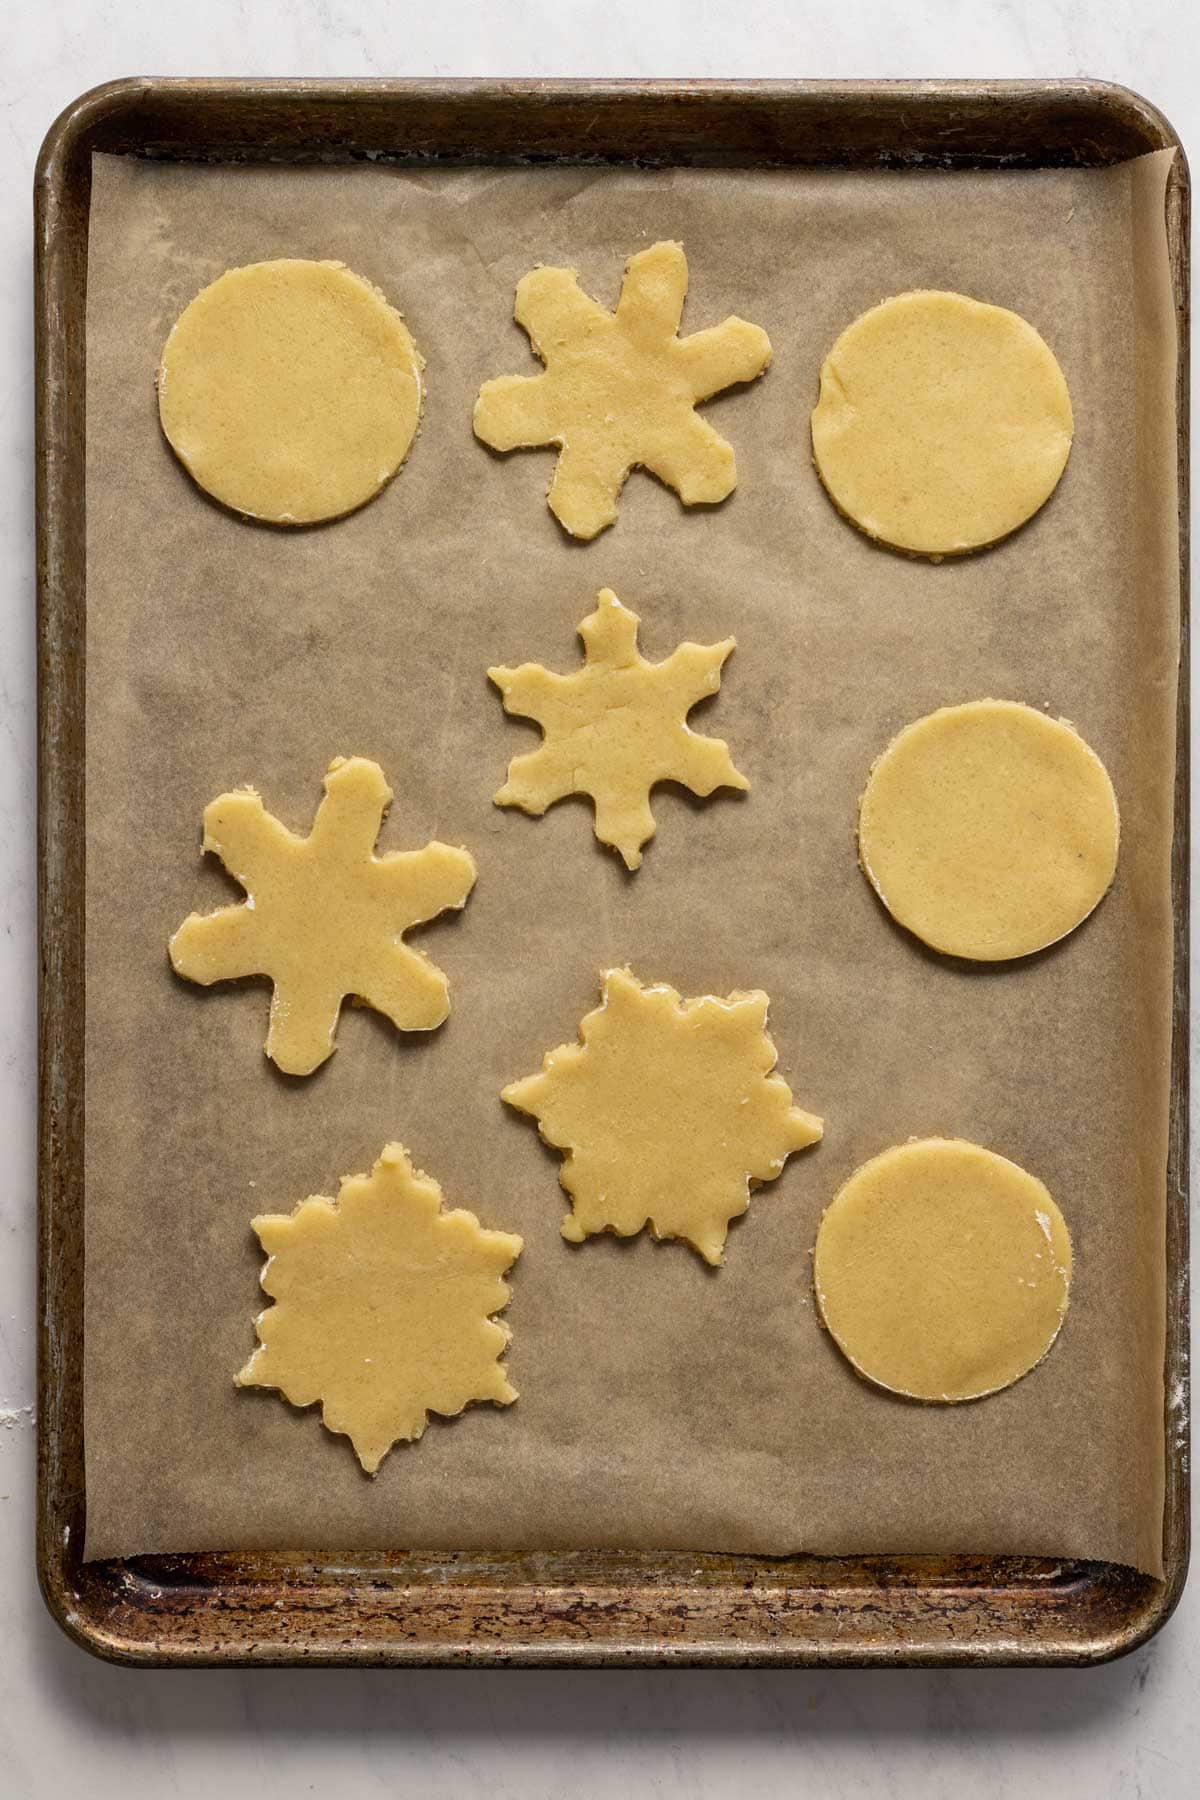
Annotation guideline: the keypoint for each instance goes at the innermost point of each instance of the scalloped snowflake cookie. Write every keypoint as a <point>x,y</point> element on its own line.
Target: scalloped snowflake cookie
<point>667,1111</point>
<point>384,1307</point>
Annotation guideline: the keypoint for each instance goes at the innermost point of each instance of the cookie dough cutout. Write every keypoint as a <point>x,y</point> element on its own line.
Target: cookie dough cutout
<point>616,727</point>
<point>324,916</point>
<point>290,391</point>
<point>989,830</point>
<point>384,1307</point>
<point>942,424</point>
<point>668,1113</point>
<point>942,1270</point>
<point>620,389</point>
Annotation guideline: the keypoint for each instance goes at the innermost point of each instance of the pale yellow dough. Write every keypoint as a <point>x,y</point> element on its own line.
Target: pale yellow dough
<point>616,727</point>
<point>290,390</point>
<point>620,389</point>
<point>942,1270</point>
<point>383,1307</point>
<point>324,916</point>
<point>668,1113</point>
<point>989,830</point>
<point>942,423</point>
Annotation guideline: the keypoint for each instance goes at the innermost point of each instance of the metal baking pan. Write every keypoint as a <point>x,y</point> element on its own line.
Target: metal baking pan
<point>567,1608</point>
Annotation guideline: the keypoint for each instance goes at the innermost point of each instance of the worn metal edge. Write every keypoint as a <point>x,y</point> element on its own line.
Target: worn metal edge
<point>59,616</point>
<point>1107,103</point>
<point>1176,1358</point>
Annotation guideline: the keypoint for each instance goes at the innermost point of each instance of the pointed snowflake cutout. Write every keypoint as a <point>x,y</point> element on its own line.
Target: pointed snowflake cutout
<point>383,1308</point>
<point>324,915</point>
<point>668,1113</point>
<point>616,727</point>
<point>620,389</point>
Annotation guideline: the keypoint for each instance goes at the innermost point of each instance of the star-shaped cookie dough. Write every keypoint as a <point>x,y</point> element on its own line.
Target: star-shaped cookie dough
<point>615,727</point>
<point>323,917</point>
<point>668,1113</point>
<point>383,1307</point>
<point>620,389</point>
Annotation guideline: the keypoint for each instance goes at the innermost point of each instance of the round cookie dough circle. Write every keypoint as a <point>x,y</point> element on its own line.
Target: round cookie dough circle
<point>942,1270</point>
<point>290,390</point>
<point>989,830</point>
<point>942,423</point>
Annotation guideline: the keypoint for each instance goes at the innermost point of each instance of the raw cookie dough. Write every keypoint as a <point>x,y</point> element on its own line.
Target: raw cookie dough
<point>989,830</point>
<point>324,916</point>
<point>615,727</point>
<point>383,1307</point>
<point>290,390</point>
<point>668,1113</point>
<point>620,389</point>
<point>942,423</point>
<point>942,1270</point>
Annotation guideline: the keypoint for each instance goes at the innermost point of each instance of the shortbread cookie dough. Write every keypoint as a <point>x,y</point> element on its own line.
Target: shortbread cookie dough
<point>620,389</point>
<point>668,1113</point>
<point>383,1308</point>
<point>616,727</point>
<point>942,1270</point>
<point>324,916</point>
<point>290,390</point>
<point>989,830</point>
<point>942,423</point>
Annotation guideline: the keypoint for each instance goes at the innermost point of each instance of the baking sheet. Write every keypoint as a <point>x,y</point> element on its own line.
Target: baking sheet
<point>661,1405</point>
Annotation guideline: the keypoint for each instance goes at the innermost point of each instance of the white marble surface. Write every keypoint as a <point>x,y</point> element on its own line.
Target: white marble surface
<point>68,1722</point>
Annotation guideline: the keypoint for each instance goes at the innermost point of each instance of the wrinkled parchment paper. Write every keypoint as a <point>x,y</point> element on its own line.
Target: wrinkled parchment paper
<point>662,1405</point>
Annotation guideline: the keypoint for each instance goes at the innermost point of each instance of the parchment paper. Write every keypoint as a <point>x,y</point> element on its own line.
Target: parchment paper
<point>662,1405</point>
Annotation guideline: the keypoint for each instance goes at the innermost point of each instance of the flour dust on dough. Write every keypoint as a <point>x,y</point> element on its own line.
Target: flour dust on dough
<point>942,1270</point>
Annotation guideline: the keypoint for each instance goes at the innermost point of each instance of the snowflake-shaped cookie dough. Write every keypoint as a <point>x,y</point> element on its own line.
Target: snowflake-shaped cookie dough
<point>383,1307</point>
<point>615,727</point>
<point>324,916</point>
<point>620,389</point>
<point>667,1111</point>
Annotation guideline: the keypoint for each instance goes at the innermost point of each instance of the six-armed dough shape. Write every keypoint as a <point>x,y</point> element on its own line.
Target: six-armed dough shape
<point>616,727</point>
<point>383,1308</point>
<point>942,423</point>
<point>942,1270</point>
<point>620,390</point>
<point>324,916</point>
<point>668,1112</point>
<point>290,390</point>
<point>989,830</point>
